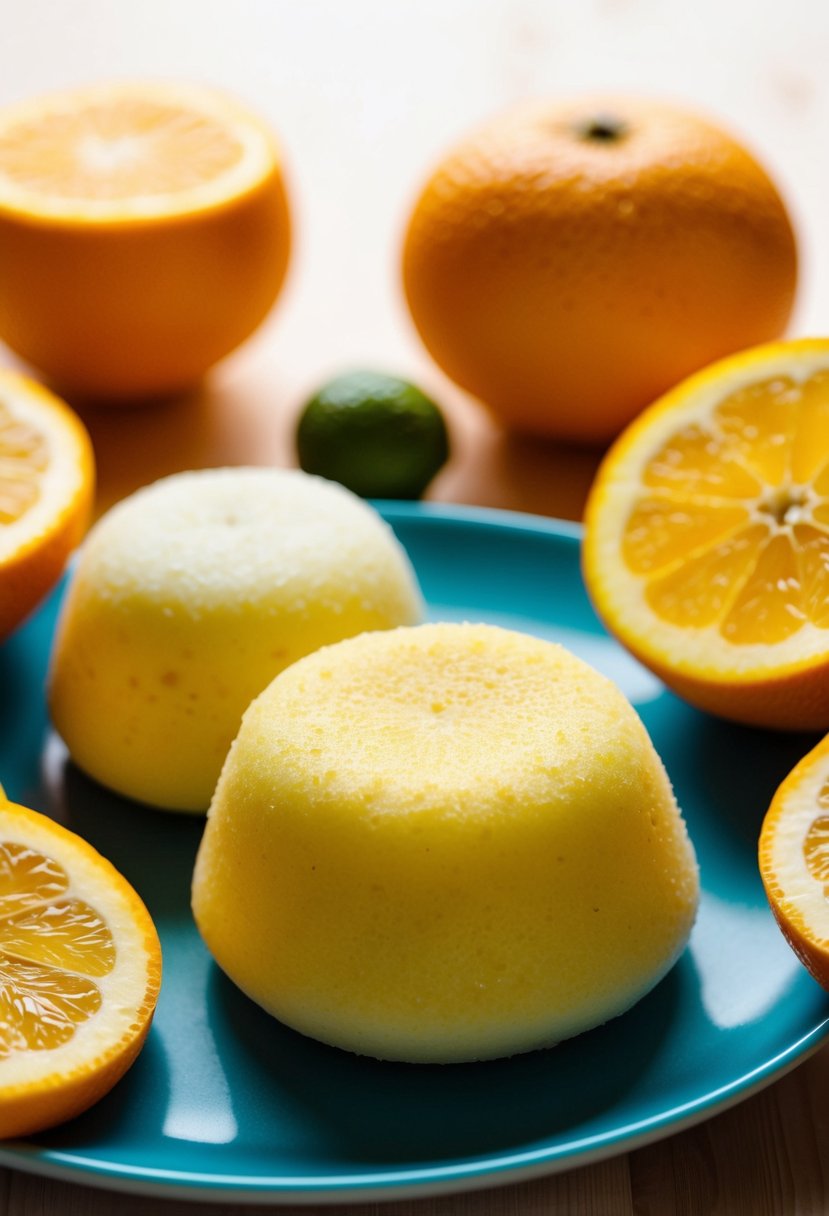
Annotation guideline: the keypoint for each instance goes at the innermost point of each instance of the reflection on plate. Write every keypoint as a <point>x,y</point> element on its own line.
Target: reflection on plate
<point>226,1103</point>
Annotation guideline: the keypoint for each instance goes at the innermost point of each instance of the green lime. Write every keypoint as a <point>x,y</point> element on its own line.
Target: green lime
<point>379,436</point>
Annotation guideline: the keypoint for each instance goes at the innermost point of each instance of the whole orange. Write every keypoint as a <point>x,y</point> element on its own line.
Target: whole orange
<point>144,234</point>
<point>572,260</point>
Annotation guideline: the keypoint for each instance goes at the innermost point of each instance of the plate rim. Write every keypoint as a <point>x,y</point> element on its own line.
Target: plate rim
<point>412,1184</point>
<point>430,1180</point>
<point>465,513</point>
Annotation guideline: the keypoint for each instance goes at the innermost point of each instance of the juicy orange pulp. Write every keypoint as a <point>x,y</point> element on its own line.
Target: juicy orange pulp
<point>80,969</point>
<point>137,149</point>
<point>740,502</point>
<point>52,948</point>
<point>707,537</point>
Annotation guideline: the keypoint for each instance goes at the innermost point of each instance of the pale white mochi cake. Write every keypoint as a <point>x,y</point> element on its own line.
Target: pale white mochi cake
<point>186,600</point>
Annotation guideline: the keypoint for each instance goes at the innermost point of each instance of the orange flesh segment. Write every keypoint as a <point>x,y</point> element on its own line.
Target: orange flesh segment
<point>52,947</point>
<point>697,464</point>
<point>759,424</point>
<point>118,150</point>
<point>816,851</point>
<point>660,529</point>
<point>697,593</point>
<point>810,449</point>
<point>731,530</point>
<point>812,547</point>
<point>816,843</point>
<point>24,455</point>
<point>769,606</point>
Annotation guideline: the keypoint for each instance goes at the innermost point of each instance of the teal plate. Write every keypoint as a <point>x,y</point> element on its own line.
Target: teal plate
<point>225,1103</point>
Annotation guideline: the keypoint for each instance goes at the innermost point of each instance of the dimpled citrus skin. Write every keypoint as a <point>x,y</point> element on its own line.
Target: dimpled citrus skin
<point>444,843</point>
<point>572,259</point>
<point>189,597</point>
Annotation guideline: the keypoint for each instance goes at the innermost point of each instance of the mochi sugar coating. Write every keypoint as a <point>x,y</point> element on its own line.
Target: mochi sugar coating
<point>444,843</point>
<point>189,597</point>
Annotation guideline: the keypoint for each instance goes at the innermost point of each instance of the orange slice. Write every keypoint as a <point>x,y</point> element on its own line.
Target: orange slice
<point>46,488</point>
<point>794,860</point>
<point>707,537</point>
<point>144,233</point>
<point>80,969</point>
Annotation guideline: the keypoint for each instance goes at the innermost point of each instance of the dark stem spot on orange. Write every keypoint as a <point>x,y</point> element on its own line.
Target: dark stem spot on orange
<point>602,129</point>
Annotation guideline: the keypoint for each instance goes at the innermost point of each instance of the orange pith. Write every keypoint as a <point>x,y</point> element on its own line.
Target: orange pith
<point>707,545</point>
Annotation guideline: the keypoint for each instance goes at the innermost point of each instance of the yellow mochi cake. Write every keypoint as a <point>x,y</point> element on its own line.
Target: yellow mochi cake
<point>189,597</point>
<point>443,843</point>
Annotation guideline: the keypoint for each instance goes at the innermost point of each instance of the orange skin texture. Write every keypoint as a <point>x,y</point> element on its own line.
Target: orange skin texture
<point>813,954</point>
<point>567,282</point>
<point>796,699</point>
<point>141,308</point>
<point>31,572</point>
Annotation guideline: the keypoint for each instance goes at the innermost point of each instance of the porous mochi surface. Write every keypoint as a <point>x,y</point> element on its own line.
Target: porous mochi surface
<point>189,597</point>
<point>444,843</point>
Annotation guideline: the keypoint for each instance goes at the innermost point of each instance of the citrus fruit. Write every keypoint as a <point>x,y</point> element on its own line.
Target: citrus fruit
<point>80,969</point>
<point>573,259</point>
<point>707,537</point>
<point>794,860</point>
<point>46,489</point>
<point>444,843</point>
<point>378,435</point>
<point>189,597</point>
<point>144,233</point>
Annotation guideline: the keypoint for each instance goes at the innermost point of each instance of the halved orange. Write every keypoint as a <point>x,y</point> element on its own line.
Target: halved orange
<point>794,860</point>
<point>707,537</point>
<point>80,970</point>
<point>144,233</point>
<point>46,490</point>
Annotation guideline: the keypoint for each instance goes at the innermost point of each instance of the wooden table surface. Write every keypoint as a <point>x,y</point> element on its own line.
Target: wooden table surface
<point>365,96</point>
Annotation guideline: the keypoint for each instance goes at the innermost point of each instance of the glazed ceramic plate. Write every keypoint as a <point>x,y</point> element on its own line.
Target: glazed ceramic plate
<point>226,1103</point>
